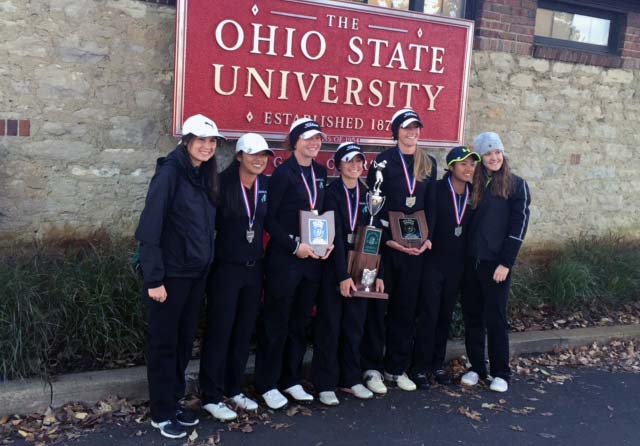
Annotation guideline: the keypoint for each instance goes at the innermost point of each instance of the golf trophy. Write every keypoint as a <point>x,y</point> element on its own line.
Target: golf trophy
<point>364,260</point>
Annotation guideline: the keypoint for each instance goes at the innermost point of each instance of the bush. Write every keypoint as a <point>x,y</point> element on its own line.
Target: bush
<point>71,308</point>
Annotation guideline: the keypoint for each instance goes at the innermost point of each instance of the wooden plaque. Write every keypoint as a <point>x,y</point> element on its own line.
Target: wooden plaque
<point>366,255</point>
<point>410,230</point>
<point>318,231</point>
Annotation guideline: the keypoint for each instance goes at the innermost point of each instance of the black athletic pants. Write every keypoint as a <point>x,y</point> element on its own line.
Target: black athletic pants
<point>405,272</point>
<point>338,333</point>
<point>440,292</point>
<point>290,294</point>
<point>484,306</point>
<point>172,328</point>
<point>233,300</point>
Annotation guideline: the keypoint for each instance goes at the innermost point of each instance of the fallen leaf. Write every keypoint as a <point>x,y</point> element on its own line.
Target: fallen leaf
<point>194,436</point>
<point>81,415</point>
<point>516,428</point>
<point>469,413</point>
<point>247,429</point>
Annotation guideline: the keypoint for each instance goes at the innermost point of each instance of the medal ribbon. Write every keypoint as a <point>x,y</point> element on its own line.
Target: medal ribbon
<point>251,214</point>
<point>459,213</point>
<point>353,210</point>
<point>411,182</point>
<point>314,197</point>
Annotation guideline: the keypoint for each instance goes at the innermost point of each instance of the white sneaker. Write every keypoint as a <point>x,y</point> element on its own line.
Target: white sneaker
<point>298,394</point>
<point>359,391</point>
<point>274,399</point>
<point>402,381</point>
<point>220,411</point>
<point>499,385</point>
<point>244,403</point>
<point>470,378</point>
<point>329,398</point>
<point>373,380</point>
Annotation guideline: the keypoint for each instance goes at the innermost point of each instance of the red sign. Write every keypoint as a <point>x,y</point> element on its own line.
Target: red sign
<point>323,158</point>
<point>258,65</point>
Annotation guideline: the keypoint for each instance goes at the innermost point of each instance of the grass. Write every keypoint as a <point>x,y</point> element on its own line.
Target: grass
<point>76,308</point>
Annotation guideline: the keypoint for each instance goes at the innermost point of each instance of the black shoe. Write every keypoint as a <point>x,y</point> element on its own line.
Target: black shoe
<point>442,377</point>
<point>170,429</point>
<point>187,417</point>
<point>421,380</point>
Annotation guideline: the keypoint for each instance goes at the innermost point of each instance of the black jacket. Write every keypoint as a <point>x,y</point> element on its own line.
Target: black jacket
<point>395,191</point>
<point>499,225</point>
<point>232,221</point>
<point>336,201</point>
<point>448,249</point>
<point>287,197</point>
<point>177,223</point>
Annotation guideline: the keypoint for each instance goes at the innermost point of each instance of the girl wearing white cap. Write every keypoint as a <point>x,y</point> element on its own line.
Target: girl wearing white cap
<point>340,321</point>
<point>176,233</point>
<point>409,179</point>
<point>501,203</point>
<point>292,269</point>
<point>235,283</point>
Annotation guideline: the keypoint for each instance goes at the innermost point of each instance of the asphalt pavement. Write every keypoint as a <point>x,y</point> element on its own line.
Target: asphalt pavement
<point>592,407</point>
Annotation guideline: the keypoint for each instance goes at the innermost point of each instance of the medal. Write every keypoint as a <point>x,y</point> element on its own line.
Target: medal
<point>351,238</point>
<point>352,209</point>
<point>250,213</point>
<point>457,210</point>
<point>312,197</point>
<point>411,182</point>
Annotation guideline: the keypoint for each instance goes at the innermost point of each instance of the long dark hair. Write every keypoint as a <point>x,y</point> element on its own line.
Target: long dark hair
<point>208,170</point>
<point>500,182</point>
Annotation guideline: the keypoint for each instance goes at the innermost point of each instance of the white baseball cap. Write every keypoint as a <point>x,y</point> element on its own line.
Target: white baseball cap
<point>201,126</point>
<point>252,143</point>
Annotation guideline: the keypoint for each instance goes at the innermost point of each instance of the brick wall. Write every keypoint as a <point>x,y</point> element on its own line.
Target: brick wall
<point>506,25</point>
<point>509,25</point>
<point>15,127</point>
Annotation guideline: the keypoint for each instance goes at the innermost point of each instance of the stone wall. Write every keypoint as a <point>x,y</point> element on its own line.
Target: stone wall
<point>92,83</point>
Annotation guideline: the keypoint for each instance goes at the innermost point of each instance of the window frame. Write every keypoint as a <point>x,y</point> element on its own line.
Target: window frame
<point>614,17</point>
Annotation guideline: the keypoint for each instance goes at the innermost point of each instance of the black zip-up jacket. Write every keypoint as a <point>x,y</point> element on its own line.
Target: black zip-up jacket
<point>395,190</point>
<point>232,221</point>
<point>176,227</point>
<point>287,197</point>
<point>336,201</point>
<point>448,250</point>
<point>499,225</point>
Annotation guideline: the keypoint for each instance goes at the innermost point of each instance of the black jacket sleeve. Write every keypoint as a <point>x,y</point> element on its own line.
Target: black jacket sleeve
<point>277,190</point>
<point>152,219</point>
<point>519,202</point>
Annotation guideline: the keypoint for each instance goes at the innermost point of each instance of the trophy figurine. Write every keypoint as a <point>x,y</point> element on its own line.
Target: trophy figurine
<point>364,260</point>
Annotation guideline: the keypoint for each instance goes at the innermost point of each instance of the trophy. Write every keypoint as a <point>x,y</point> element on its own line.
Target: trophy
<point>318,231</point>
<point>364,260</point>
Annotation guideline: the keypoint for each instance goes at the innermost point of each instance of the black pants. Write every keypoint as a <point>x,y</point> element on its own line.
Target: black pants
<point>440,289</point>
<point>172,327</point>
<point>290,293</point>
<point>405,272</point>
<point>233,300</point>
<point>484,305</point>
<point>373,338</point>
<point>339,327</point>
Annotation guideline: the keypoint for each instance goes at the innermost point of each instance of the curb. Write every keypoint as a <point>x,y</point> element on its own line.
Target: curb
<point>28,396</point>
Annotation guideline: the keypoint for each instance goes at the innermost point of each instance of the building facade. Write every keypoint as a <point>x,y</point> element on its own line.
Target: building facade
<point>86,92</point>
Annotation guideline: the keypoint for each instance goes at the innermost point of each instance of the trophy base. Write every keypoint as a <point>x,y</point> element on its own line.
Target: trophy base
<point>370,295</point>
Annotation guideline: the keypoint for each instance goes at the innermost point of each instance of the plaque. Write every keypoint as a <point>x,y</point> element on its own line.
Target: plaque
<point>318,231</point>
<point>409,230</point>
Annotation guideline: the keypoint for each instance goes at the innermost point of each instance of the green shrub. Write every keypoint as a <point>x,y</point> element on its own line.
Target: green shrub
<point>75,308</point>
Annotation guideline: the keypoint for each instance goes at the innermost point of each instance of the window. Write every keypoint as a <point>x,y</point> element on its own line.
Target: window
<point>448,8</point>
<point>575,27</point>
